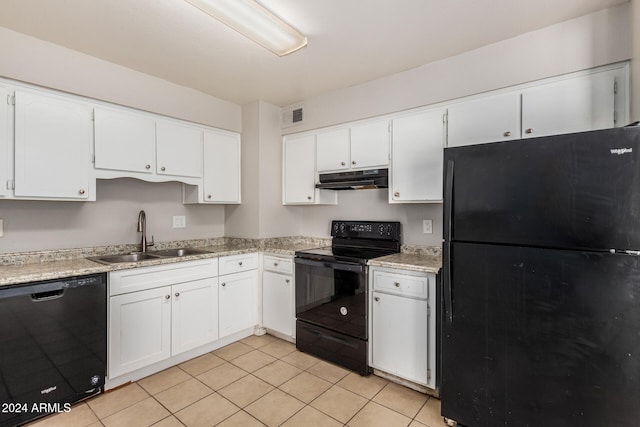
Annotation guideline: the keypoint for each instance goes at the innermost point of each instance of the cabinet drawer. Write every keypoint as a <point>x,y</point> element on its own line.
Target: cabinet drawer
<point>138,279</point>
<point>400,284</point>
<point>238,263</point>
<point>277,264</point>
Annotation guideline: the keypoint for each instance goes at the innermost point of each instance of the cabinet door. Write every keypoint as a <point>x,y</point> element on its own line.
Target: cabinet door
<point>4,143</point>
<point>417,156</point>
<point>194,317</point>
<point>139,330</point>
<point>179,149</point>
<point>299,170</point>
<point>488,119</point>
<point>53,140</point>
<point>399,336</point>
<point>571,105</point>
<point>124,141</point>
<point>221,168</point>
<point>332,150</point>
<point>370,145</point>
<point>237,304</point>
<point>277,302</point>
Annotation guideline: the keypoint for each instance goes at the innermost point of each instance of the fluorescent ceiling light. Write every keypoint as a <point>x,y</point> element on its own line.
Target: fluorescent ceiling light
<point>255,22</point>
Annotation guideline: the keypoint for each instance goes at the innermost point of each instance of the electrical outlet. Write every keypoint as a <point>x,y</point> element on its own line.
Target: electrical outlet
<point>179,221</point>
<point>427,226</point>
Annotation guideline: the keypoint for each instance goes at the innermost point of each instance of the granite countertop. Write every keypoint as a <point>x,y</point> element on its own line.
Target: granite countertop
<point>412,258</point>
<point>26,267</point>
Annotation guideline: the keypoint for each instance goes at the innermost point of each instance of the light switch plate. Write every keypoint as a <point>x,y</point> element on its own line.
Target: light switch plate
<point>179,221</point>
<point>427,226</point>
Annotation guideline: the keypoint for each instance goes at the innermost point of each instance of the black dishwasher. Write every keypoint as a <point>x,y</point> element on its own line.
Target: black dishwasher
<point>53,346</point>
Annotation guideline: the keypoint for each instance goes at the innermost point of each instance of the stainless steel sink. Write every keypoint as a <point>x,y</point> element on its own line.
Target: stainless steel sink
<point>178,252</point>
<point>142,256</point>
<point>115,259</point>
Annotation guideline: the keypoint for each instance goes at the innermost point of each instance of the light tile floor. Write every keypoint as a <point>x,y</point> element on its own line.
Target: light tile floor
<point>258,381</point>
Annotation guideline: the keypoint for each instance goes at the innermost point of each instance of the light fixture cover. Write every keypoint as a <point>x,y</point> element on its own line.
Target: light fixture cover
<point>252,20</point>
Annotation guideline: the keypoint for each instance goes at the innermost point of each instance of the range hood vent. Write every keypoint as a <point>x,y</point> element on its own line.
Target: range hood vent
<point>358,180</point>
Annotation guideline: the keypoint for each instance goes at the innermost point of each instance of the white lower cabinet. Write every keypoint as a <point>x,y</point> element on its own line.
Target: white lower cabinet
<point>403,320</point>
<point>278,312</point>
<point>237,293</point>
<point>161,311</point>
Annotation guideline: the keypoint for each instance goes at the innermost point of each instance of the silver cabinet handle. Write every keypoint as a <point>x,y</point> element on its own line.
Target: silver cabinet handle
<point>507,133</point>
<point>147,166</point>
<point>81,192</point>
<point>396,194</point>
<point>167,297</point>
<point>343,164</point>
<point>275,264</point>
<point>208,196</point>
<point>353,162</point>
<point>163,169</point>
<point>177,294</point>
<point>396,284</point>
<point>308,197</point>
<point>223,284</point>
<point>530,130</point>
<point>376,298</point>
<point>287,281</point>
<point>240,263</point>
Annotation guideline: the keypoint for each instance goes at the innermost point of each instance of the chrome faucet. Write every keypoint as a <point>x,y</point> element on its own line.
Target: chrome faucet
<point>142,228</point>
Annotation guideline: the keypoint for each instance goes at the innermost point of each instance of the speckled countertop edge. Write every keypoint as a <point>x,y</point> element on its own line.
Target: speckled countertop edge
<point>22,267</point>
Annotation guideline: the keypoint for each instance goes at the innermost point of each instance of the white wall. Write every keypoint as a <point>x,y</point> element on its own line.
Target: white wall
<point>600,38</point>
<point>597,39</point>
<point>35,225</point>
<point>635,62</point>
<point>261,213</point>
<point>31,60</point>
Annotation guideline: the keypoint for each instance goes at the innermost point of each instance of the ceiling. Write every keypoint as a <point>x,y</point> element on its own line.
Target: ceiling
<point>350,41</point>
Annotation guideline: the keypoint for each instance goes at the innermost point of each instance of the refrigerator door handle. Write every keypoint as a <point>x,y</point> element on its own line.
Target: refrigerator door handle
<point>446,282</point>
<point>448,201</point>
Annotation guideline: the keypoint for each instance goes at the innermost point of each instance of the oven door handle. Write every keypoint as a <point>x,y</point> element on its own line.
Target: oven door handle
<point>357,268</point>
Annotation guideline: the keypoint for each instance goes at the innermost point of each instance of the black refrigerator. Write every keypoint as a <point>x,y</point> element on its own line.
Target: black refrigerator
<point>541,282</point>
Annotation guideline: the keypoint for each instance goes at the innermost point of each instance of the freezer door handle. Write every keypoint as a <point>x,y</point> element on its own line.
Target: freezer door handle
<point>446,282</point>
<point>448,201</point>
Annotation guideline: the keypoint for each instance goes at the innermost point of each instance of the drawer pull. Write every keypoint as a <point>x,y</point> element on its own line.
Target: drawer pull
<point>275,264</point>
<point>224,284</point>
<point>147,166</point>
<point>167,297</point>
<point>396,284</point>
<point>507,133</point>
<point>287,281</point>
<point>240,263</point>
<point>376,298</point>
<point>177,294</point>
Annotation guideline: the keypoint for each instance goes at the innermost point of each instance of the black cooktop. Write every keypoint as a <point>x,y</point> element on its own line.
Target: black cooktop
<point>357,242</point>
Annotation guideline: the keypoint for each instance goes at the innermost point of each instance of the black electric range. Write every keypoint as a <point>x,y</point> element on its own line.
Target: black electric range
<point>331,291</point>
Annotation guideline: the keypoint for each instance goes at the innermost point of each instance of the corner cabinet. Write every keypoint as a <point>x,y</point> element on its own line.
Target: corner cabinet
<point>299,173</point>
<point>221,170</point>
<point>403,324</point>
<point>417,150</point>
<point>53,139</point>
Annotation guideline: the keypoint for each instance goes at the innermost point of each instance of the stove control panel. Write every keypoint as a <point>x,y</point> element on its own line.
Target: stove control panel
<point>366,230</point>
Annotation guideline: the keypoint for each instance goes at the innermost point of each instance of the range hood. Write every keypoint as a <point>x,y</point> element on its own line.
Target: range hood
<point>357,180</point>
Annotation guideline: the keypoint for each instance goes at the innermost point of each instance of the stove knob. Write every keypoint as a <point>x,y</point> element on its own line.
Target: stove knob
<point>389,229</point>
<point>342,227</point>
<point>381,229</point>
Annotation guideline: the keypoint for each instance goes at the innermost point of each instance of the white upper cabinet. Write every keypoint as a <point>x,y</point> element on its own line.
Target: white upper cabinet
<point>416,157</point>
<point>333,150</point>
<point>124,141</point>
<point>221,168</point>
<point>5,157</point>
<point>179,149</point>
<point>299,173</point>
<point>487,119</point>
<point>570,105</point>
<point>53,147</point>
<point>358,147</point>
<point>370,144</point>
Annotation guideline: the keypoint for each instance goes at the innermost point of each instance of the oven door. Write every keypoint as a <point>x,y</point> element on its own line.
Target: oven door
<point>332,295</point>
